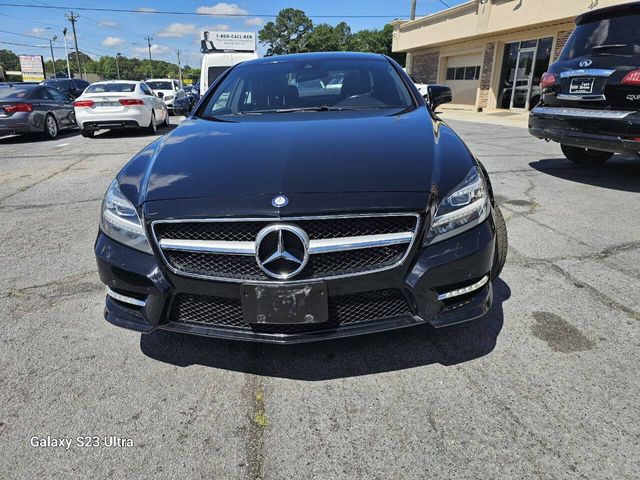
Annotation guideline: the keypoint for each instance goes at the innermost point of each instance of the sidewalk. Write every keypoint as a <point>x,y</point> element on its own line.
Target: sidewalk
<point>496,117</point>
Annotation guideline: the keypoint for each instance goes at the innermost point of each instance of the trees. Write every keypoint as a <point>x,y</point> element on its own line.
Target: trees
<point>288,34</point>
<point>9,60</point>
<point>294,32</point>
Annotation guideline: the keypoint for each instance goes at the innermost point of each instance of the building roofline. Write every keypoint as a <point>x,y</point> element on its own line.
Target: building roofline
<point>434,16</point>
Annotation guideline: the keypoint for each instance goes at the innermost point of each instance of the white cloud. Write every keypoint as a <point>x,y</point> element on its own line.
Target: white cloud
<point>112,41</point>
<point>254,21</point>
<point>37,31</point>
<point>178,30</point>
<point>155,50</point>
<point>146,10</point>
<point>222,8</point>
<point>218,27</point>
<point>108,24</point>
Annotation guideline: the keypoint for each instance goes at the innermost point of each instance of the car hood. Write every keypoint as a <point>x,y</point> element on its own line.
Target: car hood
<point>312,152</point>
<point>323,161</point>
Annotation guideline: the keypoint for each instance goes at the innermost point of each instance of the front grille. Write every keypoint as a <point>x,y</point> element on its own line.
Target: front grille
<point>316,228</point>
<point>223,312</point>
<point>320,265</point>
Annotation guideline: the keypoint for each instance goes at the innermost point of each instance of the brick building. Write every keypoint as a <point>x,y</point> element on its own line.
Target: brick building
<point>491,53</point>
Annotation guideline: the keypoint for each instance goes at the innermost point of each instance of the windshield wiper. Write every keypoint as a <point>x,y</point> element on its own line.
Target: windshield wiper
<point>323,108</point>
<point>611,45</point>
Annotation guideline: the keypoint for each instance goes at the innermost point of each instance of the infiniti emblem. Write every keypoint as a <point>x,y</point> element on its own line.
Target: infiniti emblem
<point>280,201</point>
<point>282,250</point>
<point>585,63</point>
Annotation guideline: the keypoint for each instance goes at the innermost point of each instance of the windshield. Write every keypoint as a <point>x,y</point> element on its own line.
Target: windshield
<point>160,85</point>
<point>14,92</point>
<point>610,36</point>
<point>57,83</point>
<point>110,87</point>
<point>344,84</point>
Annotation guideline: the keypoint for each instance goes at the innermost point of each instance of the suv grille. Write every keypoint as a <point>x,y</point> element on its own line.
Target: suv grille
<point>222,312</point>
<point>242,267</point>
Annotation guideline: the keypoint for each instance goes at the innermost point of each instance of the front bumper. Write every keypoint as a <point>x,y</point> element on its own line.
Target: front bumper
<point>605,130</point>
<point>426,274</point>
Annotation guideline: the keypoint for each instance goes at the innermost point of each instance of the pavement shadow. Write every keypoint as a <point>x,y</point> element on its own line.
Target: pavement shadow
<point>621,172</point>
<point>37,137</point>
<point>369,354</point>
<point>133,132</point>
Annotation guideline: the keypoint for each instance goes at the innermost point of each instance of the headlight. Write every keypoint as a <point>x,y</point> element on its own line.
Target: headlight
<point>168,97</point>
<point>120,220</point>
<point>465,207</point>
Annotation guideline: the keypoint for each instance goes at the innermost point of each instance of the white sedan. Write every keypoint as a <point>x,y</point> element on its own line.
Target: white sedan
<point>119,104</point>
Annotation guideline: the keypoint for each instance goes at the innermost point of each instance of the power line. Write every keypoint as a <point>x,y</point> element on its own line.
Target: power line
<point>73,18</point>
<point>171,12</point>
<point>22,35</point>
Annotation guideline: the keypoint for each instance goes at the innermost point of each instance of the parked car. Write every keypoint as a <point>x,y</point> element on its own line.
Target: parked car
<point>184,104</point>
<point>167,89</point>
<point>72,87</point>
<point>32,108</point>
<point>421,86</point>
<point>591,95</point>
<point>118,104</point>
<point>267,216</point>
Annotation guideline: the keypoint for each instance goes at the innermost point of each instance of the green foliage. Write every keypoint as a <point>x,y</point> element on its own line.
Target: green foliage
<point>288,34</point>
<point>293,32</point>
<point>9,60</point>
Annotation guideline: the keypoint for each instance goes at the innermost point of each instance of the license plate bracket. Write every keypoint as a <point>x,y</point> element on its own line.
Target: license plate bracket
<point>284,304</point>
<point>581,85</point>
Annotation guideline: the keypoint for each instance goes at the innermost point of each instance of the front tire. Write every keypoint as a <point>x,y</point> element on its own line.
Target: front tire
<point>152,129</point>
<point>585,156</point>
<point>502,243</point>
<point>87,133</point>
<point>50,127</point>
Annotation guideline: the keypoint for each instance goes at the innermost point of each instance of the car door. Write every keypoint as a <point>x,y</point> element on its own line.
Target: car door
<point>43,103</point>
<point>64,108</point>
<point>154,102</point>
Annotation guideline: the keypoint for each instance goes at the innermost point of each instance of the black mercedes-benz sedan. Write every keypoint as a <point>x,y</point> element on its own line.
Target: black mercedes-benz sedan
<point>288,209</point>
<point>591,95</point>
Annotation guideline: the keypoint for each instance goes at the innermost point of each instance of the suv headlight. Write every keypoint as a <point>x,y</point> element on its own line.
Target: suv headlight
<point>465,207</point>
<point>120,220</point>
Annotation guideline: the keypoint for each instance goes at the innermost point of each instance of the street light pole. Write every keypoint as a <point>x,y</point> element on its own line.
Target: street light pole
<point>117,66</point>
<point>66,52</point>
<point>53,59</point>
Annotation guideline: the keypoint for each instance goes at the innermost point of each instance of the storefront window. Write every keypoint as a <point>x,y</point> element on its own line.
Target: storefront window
<point>523,64</point>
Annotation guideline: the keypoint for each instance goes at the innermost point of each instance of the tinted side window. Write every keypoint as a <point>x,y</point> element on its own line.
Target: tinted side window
<point>145,89</point>
<point>57,96</point>
<point>42,94</point>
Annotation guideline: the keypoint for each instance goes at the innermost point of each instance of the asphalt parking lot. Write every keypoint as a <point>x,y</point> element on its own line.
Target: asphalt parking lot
<point>545,386</point>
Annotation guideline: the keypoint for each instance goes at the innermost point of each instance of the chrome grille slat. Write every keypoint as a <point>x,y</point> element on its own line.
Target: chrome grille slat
<point>223,249</point>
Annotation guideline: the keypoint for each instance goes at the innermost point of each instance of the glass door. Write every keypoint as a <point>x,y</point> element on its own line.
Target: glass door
<point>523,78</point>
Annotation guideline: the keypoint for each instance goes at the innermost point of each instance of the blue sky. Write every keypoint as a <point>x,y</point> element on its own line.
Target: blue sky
<point>106,33</point>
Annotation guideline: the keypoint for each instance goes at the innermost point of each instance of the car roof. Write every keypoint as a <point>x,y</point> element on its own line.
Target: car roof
<point>316,56</point>
<point>607,12</point>
<point>160,80</point>
<point>116,81</point>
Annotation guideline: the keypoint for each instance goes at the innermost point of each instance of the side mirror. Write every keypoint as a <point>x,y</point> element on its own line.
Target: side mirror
<point>159,95</point>
<point>438,95</point>
<point>180,110</point>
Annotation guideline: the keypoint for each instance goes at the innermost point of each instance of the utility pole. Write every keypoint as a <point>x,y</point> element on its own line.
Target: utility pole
<point>117,66</point>
<point>73,18</point>
<point>148,39</point>
<point>179,68</point>
<point>409,60</point>
<point>66,52</point>
<point>53,59</point>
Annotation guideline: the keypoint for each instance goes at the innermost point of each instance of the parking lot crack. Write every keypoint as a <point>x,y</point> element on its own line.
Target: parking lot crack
<point>42,180</point>
<point>258,422</point>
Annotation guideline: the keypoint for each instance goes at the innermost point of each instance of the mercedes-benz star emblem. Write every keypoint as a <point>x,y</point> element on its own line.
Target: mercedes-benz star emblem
<point>280,201</point>
<point>585,63</point>
<point>282,250</point>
